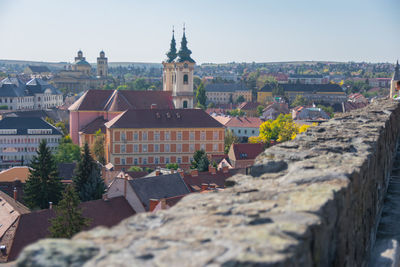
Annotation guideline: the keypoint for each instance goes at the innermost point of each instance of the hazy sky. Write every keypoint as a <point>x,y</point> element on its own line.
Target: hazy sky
<point>217,30</point>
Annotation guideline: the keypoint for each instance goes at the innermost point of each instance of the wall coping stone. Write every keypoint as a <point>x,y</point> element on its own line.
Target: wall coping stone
<point>313,201</point>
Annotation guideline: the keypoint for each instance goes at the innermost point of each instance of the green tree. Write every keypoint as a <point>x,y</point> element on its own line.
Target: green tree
<point>211,105</point>
<point>278,91</point>
<point>98,147</point>
<point>235,112</point>
<point>230,138</point>
<point>329,110</point>
<point>260,109</point>
<point>200,161</point>
<point>87,180</point>
<point>172,166</point>
<point>69,219</point>
<point>240,99</point>
<point>135,169</point>
<point>67,151</point>
<point>231,99</point>
<point>43,185</point>
<point>201,94</point>
<point>299,101</point>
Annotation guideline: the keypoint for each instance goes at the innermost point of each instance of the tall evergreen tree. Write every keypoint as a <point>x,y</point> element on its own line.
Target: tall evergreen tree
<point>98,147</point>
<point>201,94</point>
<point>200,161</point>
<point>87,180</point>
<point>69,219</point>
<point>43,185</point>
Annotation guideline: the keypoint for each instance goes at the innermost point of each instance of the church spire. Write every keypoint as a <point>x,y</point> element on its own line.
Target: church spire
<point>171,55</point>
<point>184,52</point>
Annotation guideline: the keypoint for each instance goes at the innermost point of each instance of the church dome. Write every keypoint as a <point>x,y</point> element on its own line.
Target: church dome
<point>82,62</point>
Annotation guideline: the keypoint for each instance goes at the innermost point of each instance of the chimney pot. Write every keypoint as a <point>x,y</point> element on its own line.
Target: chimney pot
<point>153,106</point>
<point>125,184</point>
<point>225,169</point>
<point>204,187</point>
<point>50,205</point>
<point>194,173</point>
<point>15,194</point>
<point>105,197</point>
<point>212,169</point>
<point>181,172</point>
<point>153,203</point>
<point>163,203</point>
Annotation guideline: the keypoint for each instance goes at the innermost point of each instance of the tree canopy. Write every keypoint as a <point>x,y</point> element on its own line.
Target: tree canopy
<point>43,184</point>
<point>67,151</point>
<point>201,94</point>
<point>200,161</point>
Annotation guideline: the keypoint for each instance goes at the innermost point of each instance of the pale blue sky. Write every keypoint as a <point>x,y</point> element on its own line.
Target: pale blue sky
<point>217,30</point>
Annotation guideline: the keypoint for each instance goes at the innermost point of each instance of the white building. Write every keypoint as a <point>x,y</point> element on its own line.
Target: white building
<point>20,138</point>
<point>35,94</point>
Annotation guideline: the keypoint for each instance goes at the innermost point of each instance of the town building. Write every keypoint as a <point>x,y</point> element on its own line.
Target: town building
<point>243,155</point>
<point>94,107</point>
<point>380,82</point>
<point>273,110</point>
<point>140,191</point>
<point>30,227</point>
<point>38,72</point>
<point>326,93</point>
<point>249,108</point>
<point>35,94</point>
<point>156,137</point>
<point>224,93</point>
<point>243,127</point>
<point>20,138</point>
<point>178,74</point>
<point>78,76</point>
<point>309,114</point>
<point>12,181</point>
<point>308,79</point>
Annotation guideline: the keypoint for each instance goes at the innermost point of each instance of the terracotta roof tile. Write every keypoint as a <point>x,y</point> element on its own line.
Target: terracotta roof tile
<point>248,122</point>
<point>247,151</point>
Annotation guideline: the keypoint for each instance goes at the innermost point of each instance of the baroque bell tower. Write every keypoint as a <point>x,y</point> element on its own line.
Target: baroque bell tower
<point>102,65</point>
<point>394,90</point>
<point>178,74</point>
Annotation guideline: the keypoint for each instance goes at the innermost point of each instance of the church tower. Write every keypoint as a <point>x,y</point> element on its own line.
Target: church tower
<point>102,65</point>
<point>394,84</point>
<point>178,74</point>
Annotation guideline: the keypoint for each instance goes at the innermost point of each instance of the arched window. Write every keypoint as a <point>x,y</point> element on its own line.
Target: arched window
<point>185,104</point>
<point>185,79</point>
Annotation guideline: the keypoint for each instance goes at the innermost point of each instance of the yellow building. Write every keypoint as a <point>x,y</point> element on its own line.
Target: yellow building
<point>225,93</point>
<point>327,93</point>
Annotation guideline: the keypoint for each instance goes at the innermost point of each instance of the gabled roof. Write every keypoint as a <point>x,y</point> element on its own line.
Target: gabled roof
<point>310,88</point>
<point>39,69</point>
<point>163,118</point>
<point>245,122</point>
<point>22,124</point>
<point>305,76</point>
<point>12,87</point>
<point>248,105</point>
<point>157,187</point>
<point>219,178</point>
<point>226,87</point>
<point>115,100</point>
<point>20,173</point>
<point>247,151</point>
<point>34,226</point>
<point>38,86</point>
<point>93,126</point>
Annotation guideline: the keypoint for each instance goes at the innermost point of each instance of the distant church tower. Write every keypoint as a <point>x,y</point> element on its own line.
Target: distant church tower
<point>178,74</point>
<point>395,80</point>
<point>102,65</point>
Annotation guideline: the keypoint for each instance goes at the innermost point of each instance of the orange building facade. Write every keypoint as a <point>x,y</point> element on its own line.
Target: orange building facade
<point>152,146</point>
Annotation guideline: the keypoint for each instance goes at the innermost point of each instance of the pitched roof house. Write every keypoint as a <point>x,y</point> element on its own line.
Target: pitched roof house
<point>139,191</point>
<point>34,225</point>
<point>243,155</point>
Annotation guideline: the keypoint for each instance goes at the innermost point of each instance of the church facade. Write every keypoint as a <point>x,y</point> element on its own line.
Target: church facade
<point>178,71</point>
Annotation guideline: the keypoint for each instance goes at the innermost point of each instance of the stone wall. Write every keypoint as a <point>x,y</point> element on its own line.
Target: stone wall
<point>314,201</point>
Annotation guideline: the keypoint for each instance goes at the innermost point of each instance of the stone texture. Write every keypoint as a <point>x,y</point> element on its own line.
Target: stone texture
<point>313,201</point>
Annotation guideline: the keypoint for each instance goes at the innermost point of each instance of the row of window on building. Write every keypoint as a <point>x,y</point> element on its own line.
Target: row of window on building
<point>166,148</point>
<point>153,161</point>
<point>167,136</point>
<point>28,140</point>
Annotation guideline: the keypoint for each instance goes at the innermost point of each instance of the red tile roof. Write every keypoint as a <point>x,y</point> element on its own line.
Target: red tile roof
<point>93,126</point>
<point>163,118</point>
<point>248,105</point>
<point>247,122</point>
<point>219,178</point>
<point>122,100</point>
<point>34,226</point>
<point>247,151</point>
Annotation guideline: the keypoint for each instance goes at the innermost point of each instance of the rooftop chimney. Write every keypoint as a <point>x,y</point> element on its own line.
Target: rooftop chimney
<point>125,184</point>
<point>153,106</point>
<point>163,203</point>
<point>194,173</point>
<point>105,197</point>
<point>15,194</point>
<point>50,205</point>
<point>181,172</point>
<point>158,172</point>
<point>213,186</point>
<point>225,169</point>
<point>152,204</point>
<point>204,187</point>
<point>212,169</point>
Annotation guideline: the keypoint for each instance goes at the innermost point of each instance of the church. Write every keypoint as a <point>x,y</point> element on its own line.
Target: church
<point>78,76</point>
<point>178,74</point>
